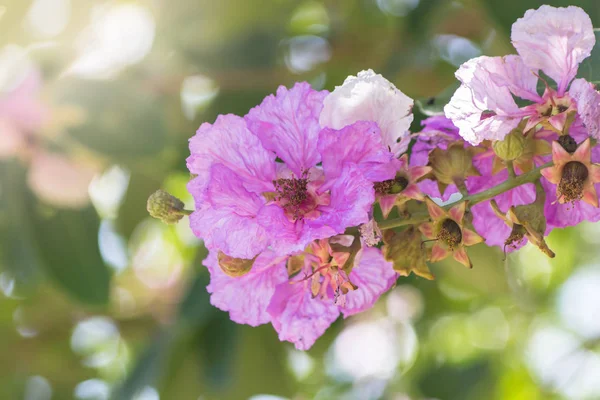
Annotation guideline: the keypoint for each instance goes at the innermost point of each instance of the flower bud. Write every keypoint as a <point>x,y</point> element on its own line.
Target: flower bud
<point>234,267</point>
<point>169,209</point>
<point>512,147</point>
<point>453,164</point>
<point>404,249</point>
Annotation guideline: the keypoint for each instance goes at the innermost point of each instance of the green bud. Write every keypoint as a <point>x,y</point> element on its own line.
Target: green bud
<point>169,209</point>
<point>512,147</point>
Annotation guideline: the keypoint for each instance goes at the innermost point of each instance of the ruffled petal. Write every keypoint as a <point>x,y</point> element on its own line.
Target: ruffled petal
<point>229,142</point>
<point>588,105</point>
<point>519,78</point>
<point>227,220</point>
<point>288,124</point>
<point>481,92</point>
<point>351,201</point>
<point>373,276</point>
<point>554,40</point>
<point>246,298</point>
<point>359,143</point>
<point>297,317</point>
<point>370,97</point>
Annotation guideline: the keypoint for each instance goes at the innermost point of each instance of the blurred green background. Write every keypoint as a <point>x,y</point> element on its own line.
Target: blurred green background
<point>100,301</point>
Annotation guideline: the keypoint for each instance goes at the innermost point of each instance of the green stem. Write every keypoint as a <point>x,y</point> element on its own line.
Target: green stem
<point>528,177</point>
<point>511,169</point>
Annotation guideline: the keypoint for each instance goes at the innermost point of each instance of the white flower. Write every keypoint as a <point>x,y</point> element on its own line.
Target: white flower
<point>370,97</point>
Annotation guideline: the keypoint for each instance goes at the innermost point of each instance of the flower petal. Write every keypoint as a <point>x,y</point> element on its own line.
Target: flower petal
<point>373,276</point>
<point>246,298</point>
<point>588,105</point>
<point>554,40</point>
<point>227,219</point>
<point>518,77</point>
<point>351,201</point>
<point>299,318</point>
<point>359,143</point>
<point>481,93</point>
<point>229,142</point>
<point>288,124</point>
<point>370,97</point>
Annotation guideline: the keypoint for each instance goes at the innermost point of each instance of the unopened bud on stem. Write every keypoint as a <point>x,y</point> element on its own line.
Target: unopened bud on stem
<point>169,209</point>
<point>512,147</point>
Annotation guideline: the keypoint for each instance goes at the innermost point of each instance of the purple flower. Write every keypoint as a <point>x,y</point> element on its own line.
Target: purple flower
<point>301,295</point>
<point>246,297</point>
<point>553,40</point>
<point>302,309</point>
<point>260,183</point>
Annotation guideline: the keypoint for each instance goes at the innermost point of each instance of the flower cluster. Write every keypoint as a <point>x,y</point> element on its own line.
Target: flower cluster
<point>312,204</point>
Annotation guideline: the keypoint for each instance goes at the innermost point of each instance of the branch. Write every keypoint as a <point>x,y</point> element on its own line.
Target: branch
<point>511,183</point>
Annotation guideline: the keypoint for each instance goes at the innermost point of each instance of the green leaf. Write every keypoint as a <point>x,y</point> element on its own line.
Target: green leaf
<point>67,241</point>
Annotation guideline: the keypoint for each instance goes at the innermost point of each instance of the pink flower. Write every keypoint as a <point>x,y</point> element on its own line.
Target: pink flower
<point>301,295</point>
<point>370,97</point>
<point>259,184</point>
<point>553,40</point>
<point>301,310</point>
<point>246,297</point>
<point>571,186</point>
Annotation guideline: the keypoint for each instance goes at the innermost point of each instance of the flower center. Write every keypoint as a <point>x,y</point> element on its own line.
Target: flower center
<point>450,233</point>
<point>325,271</point>
<point>571,184</point>
<point>391,186</point>
<point>299,197</point>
